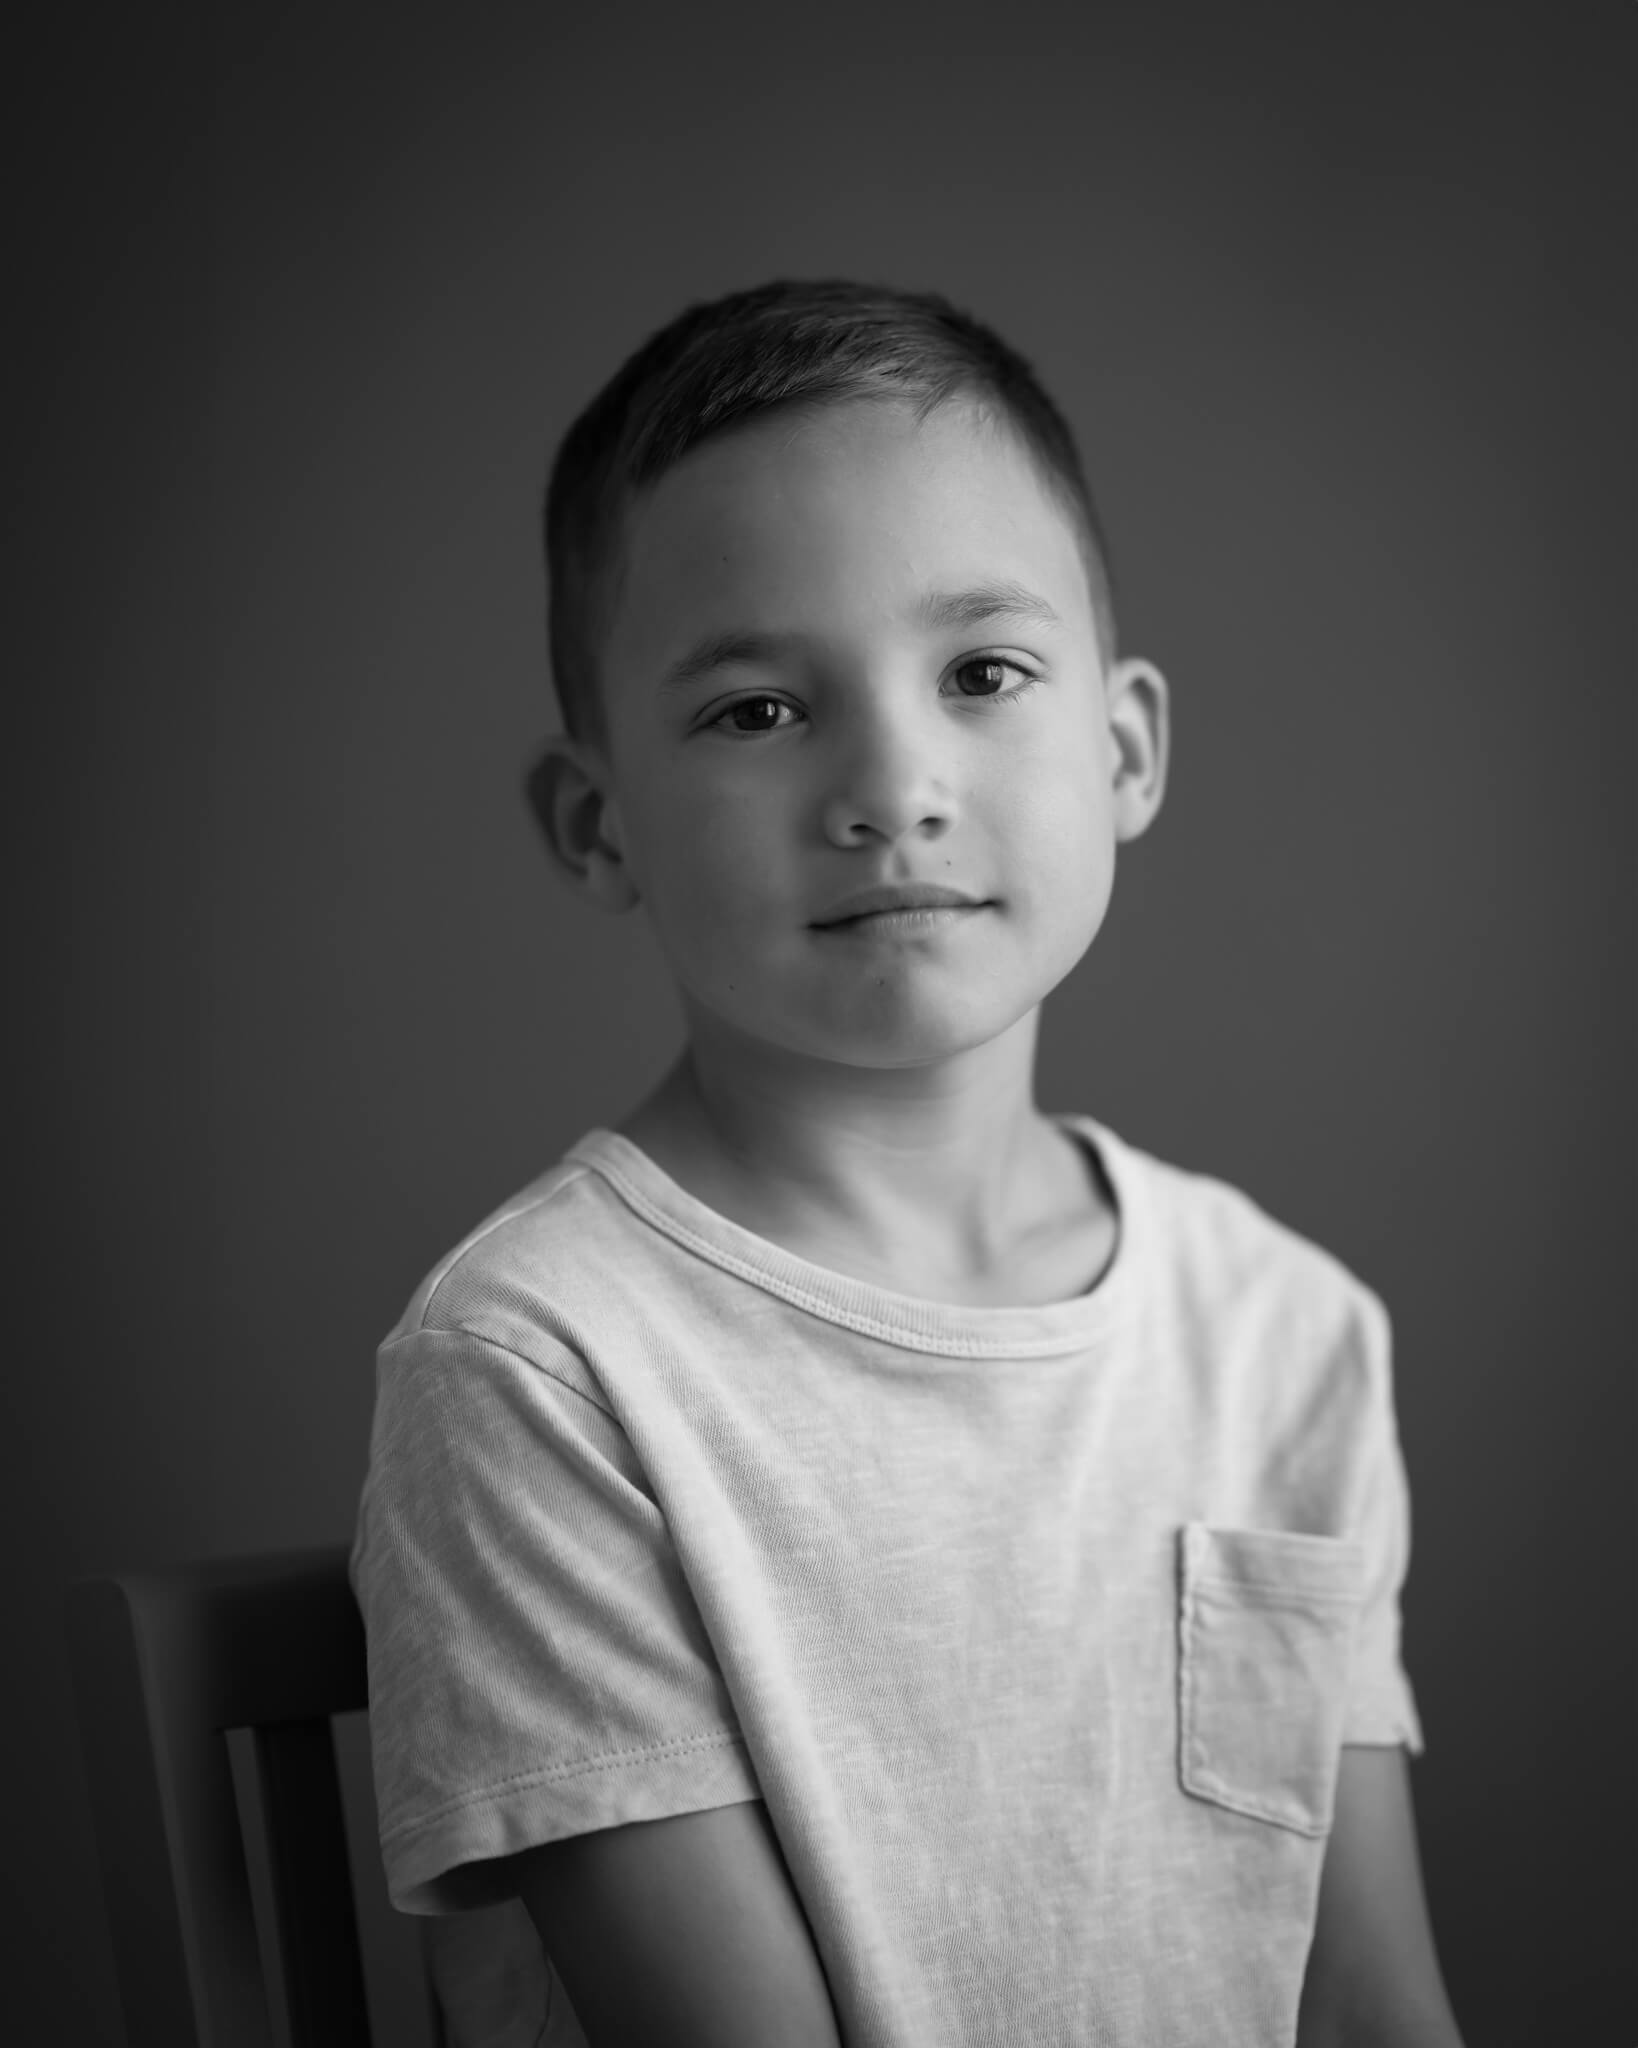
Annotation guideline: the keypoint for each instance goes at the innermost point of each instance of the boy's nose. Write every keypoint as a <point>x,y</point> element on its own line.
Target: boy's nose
<point>887,790</point>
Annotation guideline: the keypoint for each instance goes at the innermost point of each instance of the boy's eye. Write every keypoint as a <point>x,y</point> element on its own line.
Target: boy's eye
<point>730,718</point>
<point>996,666</point>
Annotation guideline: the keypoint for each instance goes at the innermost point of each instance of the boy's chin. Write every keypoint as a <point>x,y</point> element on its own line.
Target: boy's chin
<point>890,1037</point>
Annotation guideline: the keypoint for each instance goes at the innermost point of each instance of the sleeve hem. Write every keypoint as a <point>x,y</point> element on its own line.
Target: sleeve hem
<point>425,1859</point>
<point>1384,1723</point>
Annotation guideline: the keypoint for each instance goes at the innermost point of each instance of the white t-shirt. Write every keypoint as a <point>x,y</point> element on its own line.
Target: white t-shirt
<point>1039,1630</point>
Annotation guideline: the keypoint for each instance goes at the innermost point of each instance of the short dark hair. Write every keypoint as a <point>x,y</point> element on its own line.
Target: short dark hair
<point>724,362</point>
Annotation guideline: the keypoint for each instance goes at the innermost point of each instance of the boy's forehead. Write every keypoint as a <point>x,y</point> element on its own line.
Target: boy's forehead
<point>817,520</point>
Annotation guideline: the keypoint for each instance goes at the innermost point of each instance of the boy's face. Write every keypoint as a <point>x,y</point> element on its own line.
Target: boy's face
<point>866,742</point>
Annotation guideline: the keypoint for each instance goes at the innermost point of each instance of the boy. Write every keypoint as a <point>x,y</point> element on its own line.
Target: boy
<point>860,1559</point>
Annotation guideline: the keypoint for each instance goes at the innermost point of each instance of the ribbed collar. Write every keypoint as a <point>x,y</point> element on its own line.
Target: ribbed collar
<point>950,1329</point>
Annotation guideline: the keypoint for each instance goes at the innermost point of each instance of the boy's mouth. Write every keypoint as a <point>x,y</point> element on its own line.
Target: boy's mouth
<point>906,904</point>
<point>903,924</point>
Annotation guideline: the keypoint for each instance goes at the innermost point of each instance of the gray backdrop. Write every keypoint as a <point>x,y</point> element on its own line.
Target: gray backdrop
<point>1339,301</point>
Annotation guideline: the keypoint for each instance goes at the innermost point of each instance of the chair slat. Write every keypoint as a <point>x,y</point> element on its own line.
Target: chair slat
<point>316,1927</point>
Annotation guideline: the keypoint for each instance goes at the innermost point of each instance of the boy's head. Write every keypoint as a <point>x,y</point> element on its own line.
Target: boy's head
<point>830,615</point>
<point>791,347</point>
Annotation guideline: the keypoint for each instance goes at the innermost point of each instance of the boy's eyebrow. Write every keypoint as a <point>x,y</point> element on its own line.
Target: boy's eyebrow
<point>937,611</point>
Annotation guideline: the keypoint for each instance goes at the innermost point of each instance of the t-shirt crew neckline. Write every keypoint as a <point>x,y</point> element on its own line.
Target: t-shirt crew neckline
<point>950,1329</point>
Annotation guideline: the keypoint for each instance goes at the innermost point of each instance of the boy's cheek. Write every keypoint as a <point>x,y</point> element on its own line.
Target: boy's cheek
<point>673,848</point>
<point>714,892</point>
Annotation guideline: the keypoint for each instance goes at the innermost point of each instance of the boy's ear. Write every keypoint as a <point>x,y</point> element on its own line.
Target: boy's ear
<point>1140,725</point>
<point>569,794</point>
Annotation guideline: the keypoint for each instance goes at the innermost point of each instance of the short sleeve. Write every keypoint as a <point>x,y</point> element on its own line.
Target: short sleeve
<point>537,1665</point>
<point>1381,1706</point>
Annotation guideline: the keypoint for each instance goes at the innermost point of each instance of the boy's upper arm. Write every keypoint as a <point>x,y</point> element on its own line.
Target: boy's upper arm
<point>1373,1978</point>
<point>538,1663</point>
<point>685,1930</point>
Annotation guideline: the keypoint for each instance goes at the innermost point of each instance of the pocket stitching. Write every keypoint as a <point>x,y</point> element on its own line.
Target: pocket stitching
<point>1195,1773</point>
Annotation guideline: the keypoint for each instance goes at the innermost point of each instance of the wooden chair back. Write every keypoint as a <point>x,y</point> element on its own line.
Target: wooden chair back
<point>166,1665</point>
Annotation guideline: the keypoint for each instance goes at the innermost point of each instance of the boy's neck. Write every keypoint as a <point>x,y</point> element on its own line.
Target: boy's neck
<point>946,1169</point>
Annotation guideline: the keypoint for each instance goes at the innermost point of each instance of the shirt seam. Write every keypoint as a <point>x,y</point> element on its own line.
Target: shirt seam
<point>832,1312</point>
<point>470,1244</point>
<point>556,1774</point>
<point>506,1350</point>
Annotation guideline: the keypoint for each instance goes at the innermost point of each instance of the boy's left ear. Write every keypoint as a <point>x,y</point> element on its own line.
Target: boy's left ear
<point>1140,724</point>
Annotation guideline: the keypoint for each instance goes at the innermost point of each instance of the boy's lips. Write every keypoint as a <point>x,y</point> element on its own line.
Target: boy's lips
<point>896,896</point>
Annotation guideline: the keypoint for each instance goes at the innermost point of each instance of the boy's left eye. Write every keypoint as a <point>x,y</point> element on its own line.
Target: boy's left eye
<point>997,664</point>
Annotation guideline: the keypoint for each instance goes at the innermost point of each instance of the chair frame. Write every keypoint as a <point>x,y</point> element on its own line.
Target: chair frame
<point>165,1663</point>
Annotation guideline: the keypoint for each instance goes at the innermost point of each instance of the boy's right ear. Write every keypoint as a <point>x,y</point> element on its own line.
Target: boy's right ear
<point>569,794</point>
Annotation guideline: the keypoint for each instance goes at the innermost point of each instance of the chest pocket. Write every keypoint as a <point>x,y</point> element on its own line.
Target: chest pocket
<point>1266,1633</point>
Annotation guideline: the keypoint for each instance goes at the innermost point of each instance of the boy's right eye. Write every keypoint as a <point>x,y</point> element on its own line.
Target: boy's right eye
<point>728,719</point>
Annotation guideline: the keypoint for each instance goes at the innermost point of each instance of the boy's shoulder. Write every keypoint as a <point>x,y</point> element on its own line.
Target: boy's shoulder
<point>1210,1238</point>
<point>550,1223</point>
